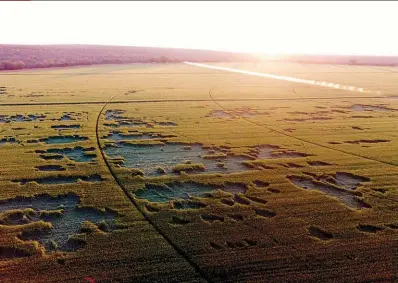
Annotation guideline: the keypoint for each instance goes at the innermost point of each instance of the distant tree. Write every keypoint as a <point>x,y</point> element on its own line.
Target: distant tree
<point>19,65</point>
<point>162,59</point>
<point>10,65</point>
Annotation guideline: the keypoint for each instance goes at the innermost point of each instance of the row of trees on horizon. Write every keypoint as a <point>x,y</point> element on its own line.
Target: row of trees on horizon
<point>15,57</point>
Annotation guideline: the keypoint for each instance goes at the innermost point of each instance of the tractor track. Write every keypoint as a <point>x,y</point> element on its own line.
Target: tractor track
<point>188,100</point>
<point>179,251</point>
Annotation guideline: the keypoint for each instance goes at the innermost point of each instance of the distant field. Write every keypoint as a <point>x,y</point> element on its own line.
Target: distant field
<point>176,173</point>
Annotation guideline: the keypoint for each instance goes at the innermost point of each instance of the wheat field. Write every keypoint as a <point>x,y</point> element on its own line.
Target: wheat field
<point>176,173</point>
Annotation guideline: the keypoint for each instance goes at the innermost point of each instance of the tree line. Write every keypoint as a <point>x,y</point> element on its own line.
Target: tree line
<point>15,57</point>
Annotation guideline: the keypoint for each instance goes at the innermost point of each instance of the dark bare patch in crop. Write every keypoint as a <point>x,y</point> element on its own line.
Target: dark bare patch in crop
<point>349,180</point>
<point>61,215</point>
<point>131,92</point>
<point>344,180</point>
<point>295,120</point>
<point>234,188</point>
<point>260,184</point>
<point>219,114</point>
<point>346,196</point>
<point>63,127</point>
<point>166,124</point>
<point>179,220</point>
<point>361,116</point>
<point>257,199</point>
<point>212,217</point>
<point>273,190</point>
<point>152,208</point>
<point>339,111</point>
<point>51,156</point>
<point>227,201</point>
<point>113,114</point>
<point>50,168</point>
<point>264,213</point>
<point>66,117</point>
<point>246,243</point>
<point>319,233</point>
<point>310,116</point>
<point>369,228</point>
<point>357,128</point>
<point>241,199</point>
<point>292,165</point>
<point>380,190</point>
<point>237,217</point>
<point>3,90</point>
<point>21,118</point>
<point>367,141</point>
<point>63,139</point>
<point>361,107</point>
<point>392,225</point>
<point>251,242</point>
<point>33,94</point>
<point>234,245</point>
<point>216,246</point>
<point>186,204</point>
<point>247,112</point>
<point>77,154</point>
<point>273,152</point>
<point>117,136</point>
<point>172,191</point>
<point>133,123</point>
<point>12,252</point>
<point>318,163</point>
<point>172,157</point>
<point>8,140</point>
<point>111,125</point>
<point>57,180</point>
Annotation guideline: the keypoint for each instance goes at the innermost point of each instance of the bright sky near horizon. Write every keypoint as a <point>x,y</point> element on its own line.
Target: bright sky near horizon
<point>363,28</point>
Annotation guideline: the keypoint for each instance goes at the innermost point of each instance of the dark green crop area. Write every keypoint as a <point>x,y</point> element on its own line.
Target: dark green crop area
<point>176,173</point>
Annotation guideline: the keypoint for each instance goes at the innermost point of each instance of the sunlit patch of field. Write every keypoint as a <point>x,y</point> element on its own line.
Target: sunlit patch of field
<point>200,174</point>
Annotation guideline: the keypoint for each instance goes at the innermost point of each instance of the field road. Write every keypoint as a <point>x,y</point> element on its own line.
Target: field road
<point>286,78</point>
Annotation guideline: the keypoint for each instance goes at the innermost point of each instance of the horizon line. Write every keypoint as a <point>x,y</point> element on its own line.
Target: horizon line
<point>206,49</point>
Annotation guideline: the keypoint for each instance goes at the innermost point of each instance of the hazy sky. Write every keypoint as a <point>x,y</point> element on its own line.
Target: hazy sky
<point>266,27</point>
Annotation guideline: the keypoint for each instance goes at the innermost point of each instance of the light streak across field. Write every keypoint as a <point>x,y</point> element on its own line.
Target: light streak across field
<point>285,78</point>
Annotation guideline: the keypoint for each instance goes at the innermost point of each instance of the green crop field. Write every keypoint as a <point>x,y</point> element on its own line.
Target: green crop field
<point>178,173</point>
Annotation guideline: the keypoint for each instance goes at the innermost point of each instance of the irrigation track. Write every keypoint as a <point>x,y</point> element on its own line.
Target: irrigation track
<point>188,100</point>
<point>181,252</point>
